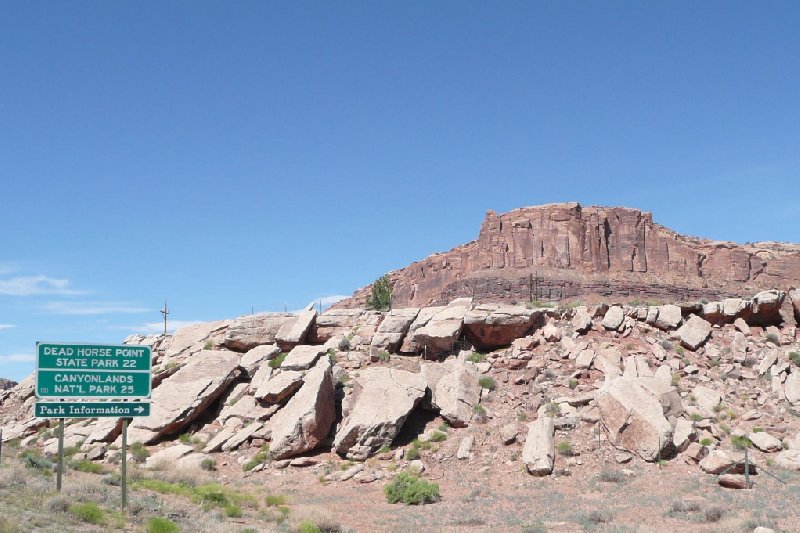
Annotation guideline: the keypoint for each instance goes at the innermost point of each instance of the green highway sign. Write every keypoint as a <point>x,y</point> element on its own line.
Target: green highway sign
<point>91,410</point>
<point>77,371</point>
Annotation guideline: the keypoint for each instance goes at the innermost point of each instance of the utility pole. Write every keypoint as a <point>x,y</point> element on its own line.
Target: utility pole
<point>165,312</point>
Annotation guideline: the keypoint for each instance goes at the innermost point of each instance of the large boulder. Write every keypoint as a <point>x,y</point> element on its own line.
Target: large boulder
<point>258,356</point>
<point>293,332</point>
<point>384,397</point>
<point>669,317</point>
<point>302,357</point>
<point>394,327</point>
<point>634,418</point>
<point>614,318</point>
<point>491,326</point>
<point>189,340</point>
<point>305,421</point>
<point>581,320</point>
<point>788,459</point>
<point>794,295</point>
<point>791,388</point>
<point>767,308</point>
<point>456,395</point>
<point>538,454</point>
<point>440,333</point>
<point>280,386</point>
<point>334,322</point>
<point>184,396</point>
<point>694,332</point>
<point>247,332</point>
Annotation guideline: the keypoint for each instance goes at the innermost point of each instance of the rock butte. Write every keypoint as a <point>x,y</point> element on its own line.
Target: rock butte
<point>560,251</point>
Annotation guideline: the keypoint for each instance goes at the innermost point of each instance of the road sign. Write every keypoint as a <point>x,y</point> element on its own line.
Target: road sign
<point>91,410</point>
<point>76,371</point>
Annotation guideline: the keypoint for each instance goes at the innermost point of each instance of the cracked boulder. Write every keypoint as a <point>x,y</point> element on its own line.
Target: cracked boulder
<point>538,454</point>
<point>383,399</point>
<point>304,423</point>
<point>184,396</point>
<point>456,395</point>
<point>634,418</point>
<point>390,333</point>
<point>491,326</point>
<point>247,332</point>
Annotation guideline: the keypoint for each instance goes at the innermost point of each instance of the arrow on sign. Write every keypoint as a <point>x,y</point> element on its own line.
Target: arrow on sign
<point>139,409</point>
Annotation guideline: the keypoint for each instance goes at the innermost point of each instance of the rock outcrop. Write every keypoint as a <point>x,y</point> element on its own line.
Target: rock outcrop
<point>567,250</point>
<point>538,454</point>
<point>304,423</point>
<point>384,398</point>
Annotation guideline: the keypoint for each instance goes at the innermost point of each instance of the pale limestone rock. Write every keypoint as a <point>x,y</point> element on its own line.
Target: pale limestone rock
<point>253,359</point>
<point>228,430</point>
<point>581,321</point>
<point>394,327</point>
<point>634,418</point>
<point>456,394</point>
<point>508,433</point>
<point>694,332</point>
<point>551,333</point>
<point>707,398</point>
<point>304,423</point>
<point>281,386</point>
<point>669,317</point>
<point>788,459</point>
<point>585,358</point>
<point>293,332</point>
<point>247,332</point>
<point>538,454</point>
<point>791,387</point>
<point>741,326</point>
<point>302,357</point>
<point>384,397</point>
<point>765,442</point>
<point>184,396</point>
<point>167,456</point>
<point>769,359</point>
<point>613,318</point>
<point>465,447</point>
<point>684,429</point>
<point>608,361</point>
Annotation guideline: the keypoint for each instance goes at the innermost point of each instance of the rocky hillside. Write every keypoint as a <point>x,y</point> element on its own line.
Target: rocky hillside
<point>567,251</point>
<point>557,388</point>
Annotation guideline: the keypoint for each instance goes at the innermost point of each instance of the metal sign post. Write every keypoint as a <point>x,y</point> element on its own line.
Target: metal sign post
<point>60,471</point>
<point>124,463</point>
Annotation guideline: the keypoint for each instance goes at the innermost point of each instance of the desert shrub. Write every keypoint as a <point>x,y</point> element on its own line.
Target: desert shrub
<point>714,514</point>
<point>232,510</point>
<point>412,454</point>
<point>476,357</point>
<point>696,417</point>
<point>740,442</point>
<point>158,524</point>
<point>706,442</point>
<point>85,465</point>
<point>438,436</point>
<point>383,356</point>
<point>278,360</point>
<point>553,409</point>
<point>139,452</point>
<point>185,438</point>
<point>522,416</point>
<point>487,382</point>
<point>794,357</point>
<point>774,339</point>
<point>572,383</point>
<point>209,344</point>
<point>411,490</point>
<point>275,500</point>
<point>381,297</point>
<point>208,464</point>
<point>593,518</point>
<point>564,448</point>
<point>88,512</point>
<point>332,356</point>
<point>479,409</point>
<point>33,459</point>
<point>610,476</point>
<point>261,457</point>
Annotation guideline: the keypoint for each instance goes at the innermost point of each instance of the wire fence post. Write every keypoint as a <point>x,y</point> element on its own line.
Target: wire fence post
<point>746,469</point>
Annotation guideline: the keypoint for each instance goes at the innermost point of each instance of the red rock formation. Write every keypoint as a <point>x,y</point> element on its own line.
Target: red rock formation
<point>560,251</point>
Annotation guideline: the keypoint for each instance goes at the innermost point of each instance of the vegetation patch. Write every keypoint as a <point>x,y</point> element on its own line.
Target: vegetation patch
<point>85,465</point>
<point>88,512</point>
<point>158,524</point>
<point>410,489</point>
<point>260,458</point>
<point>487,382</point>
<point>278,360</point>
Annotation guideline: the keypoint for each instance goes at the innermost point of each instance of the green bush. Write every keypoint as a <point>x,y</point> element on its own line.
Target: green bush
<point>706,442</point>
<point>383,356</point>
<point>438,436</point>
<point>88,512</point>
<point>774,339</point>
<point>275,500</point>
<point>486,382</point>
<point>564,448</point>
<point>412,454</point>
<point>794,357</point>
<point>476,357</point>
<point>381,297</point>
<point>411,490</point>
<point>553,409</point>
<point>479,409</point>
<point>139,452</point>
<point>33,459</point>
<point>740,443</point>
<point>307,526</point>
<point>278,360</point>
<point>85,465</point>
<point>232,510</point>
<point>573,383</point>
<point>208,464</point>
<point>158,524</point>
<point>261,457</point>
<point>185,438</point>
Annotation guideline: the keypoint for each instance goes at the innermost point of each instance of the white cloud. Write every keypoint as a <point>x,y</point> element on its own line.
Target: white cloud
<point>158,327</point>
<point>36,285</point>
<point>327,301</point>
<point>7,326</point>
<point>93,308</point>
<point>18,358</point>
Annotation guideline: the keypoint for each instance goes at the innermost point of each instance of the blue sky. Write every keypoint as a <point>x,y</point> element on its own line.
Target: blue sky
<point>230,156</point>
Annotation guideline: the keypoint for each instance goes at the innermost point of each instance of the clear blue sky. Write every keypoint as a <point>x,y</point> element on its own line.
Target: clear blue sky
<point>229,155</point>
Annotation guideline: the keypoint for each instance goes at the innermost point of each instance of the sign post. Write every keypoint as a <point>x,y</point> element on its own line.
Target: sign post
<point>103,381</point>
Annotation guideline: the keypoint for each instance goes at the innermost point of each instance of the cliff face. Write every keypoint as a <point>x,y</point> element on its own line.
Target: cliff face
<point>560,251</point>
